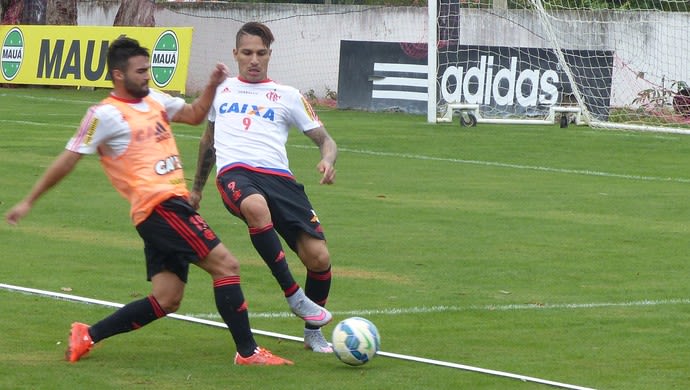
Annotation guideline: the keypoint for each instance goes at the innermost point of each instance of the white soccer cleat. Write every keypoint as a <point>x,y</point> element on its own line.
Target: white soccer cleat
<point>307,310</point>
<point>314,340</point>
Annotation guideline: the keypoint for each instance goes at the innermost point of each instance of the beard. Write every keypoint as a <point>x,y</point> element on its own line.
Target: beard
<point>138,91</point>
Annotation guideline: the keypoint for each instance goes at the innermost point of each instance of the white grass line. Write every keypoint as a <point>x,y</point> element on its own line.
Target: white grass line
<point>48,99</point>
<point>76,298</point>
<point>583,172</point>
<point>421,157</point>
<point>444,309</point>
<point>31,123</point>
<point>523,378</point>
<point>509,165</point>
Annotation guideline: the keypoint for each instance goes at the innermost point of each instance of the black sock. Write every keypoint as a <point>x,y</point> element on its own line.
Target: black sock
<point>317,288</point>
<point>130,317</point>
<point>267,244</point>
<point>233,309</point>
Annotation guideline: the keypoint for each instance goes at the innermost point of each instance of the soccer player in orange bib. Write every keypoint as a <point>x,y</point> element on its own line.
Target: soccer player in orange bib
<point>131,133</point>
<point>245,138</point>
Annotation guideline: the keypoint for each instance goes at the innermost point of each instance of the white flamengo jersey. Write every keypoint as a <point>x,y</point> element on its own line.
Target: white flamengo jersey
<point>252,121</point>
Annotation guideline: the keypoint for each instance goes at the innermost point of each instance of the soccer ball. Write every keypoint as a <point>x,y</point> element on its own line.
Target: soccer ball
<point>355,341</point>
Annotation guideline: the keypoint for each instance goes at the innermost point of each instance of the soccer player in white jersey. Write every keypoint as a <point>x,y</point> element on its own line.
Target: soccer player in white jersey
<point>245,138</point>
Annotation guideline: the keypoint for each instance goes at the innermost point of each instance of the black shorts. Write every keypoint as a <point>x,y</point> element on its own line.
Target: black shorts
<point>174,236</point>
<point>291,211</point>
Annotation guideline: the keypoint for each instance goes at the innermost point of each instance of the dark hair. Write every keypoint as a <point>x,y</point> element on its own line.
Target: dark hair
<point>121,50</point>
<point>257,29</point>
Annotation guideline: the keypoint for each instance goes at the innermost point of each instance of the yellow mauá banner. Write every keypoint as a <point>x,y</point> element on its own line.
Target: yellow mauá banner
<point>76,55</point>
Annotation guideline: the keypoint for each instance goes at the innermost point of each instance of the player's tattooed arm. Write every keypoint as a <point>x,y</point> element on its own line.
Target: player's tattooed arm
<point>326,144</point>
<point>329,153</point>
<point>205,162</point>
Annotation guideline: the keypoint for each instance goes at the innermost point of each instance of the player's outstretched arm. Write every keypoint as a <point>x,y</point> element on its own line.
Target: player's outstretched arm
<point>194,113</point>
<point>205,162</point>
<point>61,167</point>
<point>329,153</point>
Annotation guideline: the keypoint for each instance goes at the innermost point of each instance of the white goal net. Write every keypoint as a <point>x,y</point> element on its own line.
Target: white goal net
<point>545,62</point>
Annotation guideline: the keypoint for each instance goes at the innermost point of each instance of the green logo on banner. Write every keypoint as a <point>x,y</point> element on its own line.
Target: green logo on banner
<point>12,53</point>
<point>164,59</point>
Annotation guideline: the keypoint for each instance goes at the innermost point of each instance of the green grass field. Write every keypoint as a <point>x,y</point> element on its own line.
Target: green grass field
<point>558,254</point>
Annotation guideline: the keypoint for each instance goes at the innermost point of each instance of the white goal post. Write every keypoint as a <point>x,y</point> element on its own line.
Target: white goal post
<point>544,63</point>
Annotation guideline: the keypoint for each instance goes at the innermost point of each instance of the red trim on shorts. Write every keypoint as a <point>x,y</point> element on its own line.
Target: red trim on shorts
<point>226,200</point>
<point>185,231</point>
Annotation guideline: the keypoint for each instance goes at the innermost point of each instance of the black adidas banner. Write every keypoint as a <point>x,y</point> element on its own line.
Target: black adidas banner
<point>380,76</point>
